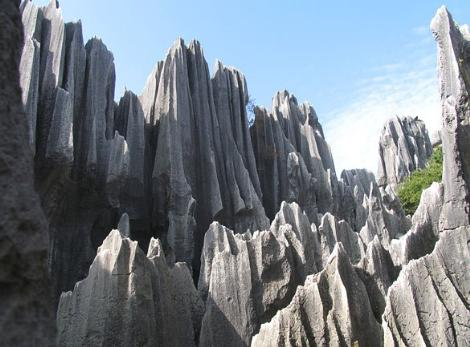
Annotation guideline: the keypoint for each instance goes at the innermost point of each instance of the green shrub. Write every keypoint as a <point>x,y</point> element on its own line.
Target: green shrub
<point>410,190</point>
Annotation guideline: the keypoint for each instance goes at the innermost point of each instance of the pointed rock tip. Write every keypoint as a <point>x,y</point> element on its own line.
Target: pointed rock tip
<point>338,252</point>
<point>155,248</point>
<point>442,13</point>
<point>124,225</point>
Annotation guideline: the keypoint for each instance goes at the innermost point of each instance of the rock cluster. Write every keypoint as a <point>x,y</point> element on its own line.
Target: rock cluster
<point>404,147</point>
<point>283,251</point>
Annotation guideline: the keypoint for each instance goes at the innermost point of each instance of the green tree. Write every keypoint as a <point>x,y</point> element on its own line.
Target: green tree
<point>410,190</point>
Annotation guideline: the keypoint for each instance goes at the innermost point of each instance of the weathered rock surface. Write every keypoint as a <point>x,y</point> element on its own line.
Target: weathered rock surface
<point>429,303</point>
<point>32,18</point>
<point>332,231</point>
<point>377,271</point>
<point>203,166</point>
<point>331,308</point>
<point>293,159</point>
<point>454,74</point>
<point>26,310</point>
<point>424,233</point>
<point>246,278</point>
<point>436,139</point>
<point>404,146</point>
<point>129,299</point>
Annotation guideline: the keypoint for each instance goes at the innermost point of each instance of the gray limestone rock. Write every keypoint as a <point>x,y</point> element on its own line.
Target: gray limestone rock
<point>404,147</point>
<point>97,122</point>
<point>231,97</point>
<point>454,75</point>
<point>74,81</point>
<point>198,175</point>
<point>117,168</point>
<point>359,196</point>
<point>283,170</point>
<point>129,122</point>
<point>246,278</point>
<point>436,138</point>
<point>129,299</point>
<point>381,221</point>
<point>59,146</point>
<point>428,305</point>
<point>424,232</point>
<point>332,231</point>
<point>377,271</point>
<point>180,159</point>
<point>331,308</point>
<point>51,71</point>
<point>26,309</point>
<point>32,17</point>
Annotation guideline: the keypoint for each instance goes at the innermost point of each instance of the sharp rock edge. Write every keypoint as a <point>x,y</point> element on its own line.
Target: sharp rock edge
<point>131,299</point>
<point>404,147</point>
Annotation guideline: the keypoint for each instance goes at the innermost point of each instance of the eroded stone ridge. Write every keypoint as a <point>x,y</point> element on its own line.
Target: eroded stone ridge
<point>453,44</point>
<point>429,303</point>
<point>131,299</point>
<point>331,308</point>
<point>404,147</point>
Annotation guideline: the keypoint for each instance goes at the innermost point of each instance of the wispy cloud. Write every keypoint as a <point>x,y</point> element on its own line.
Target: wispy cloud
<point>403,88</point>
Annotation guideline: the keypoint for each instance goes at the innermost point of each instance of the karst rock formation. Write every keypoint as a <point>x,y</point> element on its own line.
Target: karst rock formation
<point>404,147</point>
<point>166,219</point>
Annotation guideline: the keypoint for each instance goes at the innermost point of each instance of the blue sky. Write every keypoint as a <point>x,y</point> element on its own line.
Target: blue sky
<point>357,62</point>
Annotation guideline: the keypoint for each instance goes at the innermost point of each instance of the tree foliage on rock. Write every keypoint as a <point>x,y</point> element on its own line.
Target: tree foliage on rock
<point>410,190</point>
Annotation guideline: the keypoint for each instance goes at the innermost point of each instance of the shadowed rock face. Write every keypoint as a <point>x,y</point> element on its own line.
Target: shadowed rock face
<point>203,164</point>
<point>404,147</point>
<point>179,162</point>
<point>293,159</point>
<point>27,313</point>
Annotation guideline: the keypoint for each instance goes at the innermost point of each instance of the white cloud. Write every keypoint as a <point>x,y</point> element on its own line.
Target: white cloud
<point>396,89</point>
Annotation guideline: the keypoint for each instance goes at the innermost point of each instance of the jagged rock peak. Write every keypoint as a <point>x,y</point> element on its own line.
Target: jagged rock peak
<point>331,308</point>
<point>404,147</point>
<point>129,299</point>
<point>454,70</point>
<point>293,159</point>
<point>246,278</point>
<point>429,302</point>
<point>199,149</point>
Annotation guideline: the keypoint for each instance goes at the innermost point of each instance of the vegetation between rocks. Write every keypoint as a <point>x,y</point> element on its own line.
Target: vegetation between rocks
<point>410,190</point>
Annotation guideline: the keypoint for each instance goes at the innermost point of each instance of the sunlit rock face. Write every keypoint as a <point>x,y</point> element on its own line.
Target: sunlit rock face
<point>130,299</point>
<point>454,71</point>
<point>404,147</point>
<point>282,250</point>
<point>428,304</point>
